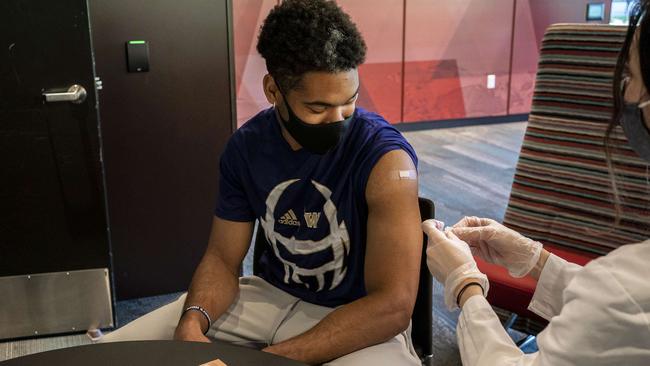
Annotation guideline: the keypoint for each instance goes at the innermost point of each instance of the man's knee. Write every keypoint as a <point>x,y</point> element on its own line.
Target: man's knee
<point>159,324</point>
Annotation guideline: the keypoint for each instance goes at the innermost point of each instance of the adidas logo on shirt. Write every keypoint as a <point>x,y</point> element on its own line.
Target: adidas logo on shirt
<point>290,219</point>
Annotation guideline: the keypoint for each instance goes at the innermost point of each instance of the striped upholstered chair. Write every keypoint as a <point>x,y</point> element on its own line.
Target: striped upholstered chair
<point>561,195</point>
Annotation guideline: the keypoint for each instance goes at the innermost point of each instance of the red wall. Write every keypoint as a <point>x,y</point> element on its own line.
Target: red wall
<point>451,47</point>
<point>435,67</point>
<point>248,16</point>
<point>381,75</point>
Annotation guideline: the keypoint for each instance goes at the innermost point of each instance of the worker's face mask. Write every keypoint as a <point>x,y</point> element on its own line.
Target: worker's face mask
<point>636,131</point>
<point>319,138</point>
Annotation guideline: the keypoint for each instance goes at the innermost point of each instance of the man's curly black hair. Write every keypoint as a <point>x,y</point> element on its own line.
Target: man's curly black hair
<point>299,36</point>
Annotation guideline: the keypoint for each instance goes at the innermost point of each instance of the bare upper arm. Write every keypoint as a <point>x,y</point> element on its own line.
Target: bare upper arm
<point>230,240</point>
<point>394,238</point>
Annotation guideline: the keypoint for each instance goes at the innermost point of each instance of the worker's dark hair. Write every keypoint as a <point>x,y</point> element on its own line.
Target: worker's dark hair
<point>637,21</point>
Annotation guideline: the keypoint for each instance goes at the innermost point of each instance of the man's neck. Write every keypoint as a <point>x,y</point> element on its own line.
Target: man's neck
<point>295,146</point>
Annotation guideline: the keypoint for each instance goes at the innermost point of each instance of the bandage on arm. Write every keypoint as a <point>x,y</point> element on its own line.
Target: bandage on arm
<point>406,175</point>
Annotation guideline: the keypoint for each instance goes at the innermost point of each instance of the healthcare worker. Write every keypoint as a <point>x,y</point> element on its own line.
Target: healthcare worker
<point>598,314</point>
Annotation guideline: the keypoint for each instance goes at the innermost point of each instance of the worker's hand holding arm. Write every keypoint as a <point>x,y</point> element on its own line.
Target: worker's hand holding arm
<point>500,245</point>
<point>522,256</point>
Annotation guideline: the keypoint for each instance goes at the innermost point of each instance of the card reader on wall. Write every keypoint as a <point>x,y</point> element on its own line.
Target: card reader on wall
<point>596,11</point>
<point>137,56</point>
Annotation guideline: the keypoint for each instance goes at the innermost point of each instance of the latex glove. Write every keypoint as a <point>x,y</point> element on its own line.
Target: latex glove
<point>497,244</point>
<point>450,261</point>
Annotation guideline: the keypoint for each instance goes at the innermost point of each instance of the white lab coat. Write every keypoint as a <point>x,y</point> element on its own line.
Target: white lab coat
<point>599,315</point>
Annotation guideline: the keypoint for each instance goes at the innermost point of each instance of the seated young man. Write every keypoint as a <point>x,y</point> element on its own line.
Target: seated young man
<point>334,188</point>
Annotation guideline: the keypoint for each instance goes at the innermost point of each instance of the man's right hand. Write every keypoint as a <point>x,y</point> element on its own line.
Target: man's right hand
<point>190,328</point>
<point>215,283</point>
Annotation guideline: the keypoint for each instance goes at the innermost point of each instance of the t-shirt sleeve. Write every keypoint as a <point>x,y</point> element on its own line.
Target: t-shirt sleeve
<point>232,201</point>
<point>384,141</point>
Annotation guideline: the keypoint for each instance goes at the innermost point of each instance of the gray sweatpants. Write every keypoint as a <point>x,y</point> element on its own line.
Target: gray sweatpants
<point>264,315</point>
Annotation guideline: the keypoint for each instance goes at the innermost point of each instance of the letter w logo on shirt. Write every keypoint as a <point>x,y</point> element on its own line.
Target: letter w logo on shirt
<point>311,218</point>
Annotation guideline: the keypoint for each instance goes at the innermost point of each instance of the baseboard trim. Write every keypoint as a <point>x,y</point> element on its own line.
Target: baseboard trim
<point>451,123</point>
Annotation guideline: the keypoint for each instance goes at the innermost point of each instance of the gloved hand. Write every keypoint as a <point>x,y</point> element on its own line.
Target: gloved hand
<point>497,244</point>
<point>450,261</point>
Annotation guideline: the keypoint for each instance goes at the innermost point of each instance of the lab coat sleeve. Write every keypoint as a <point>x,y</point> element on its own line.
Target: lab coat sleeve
<point>555,277</point>
<point>600,323</point>
<point>483,341</point>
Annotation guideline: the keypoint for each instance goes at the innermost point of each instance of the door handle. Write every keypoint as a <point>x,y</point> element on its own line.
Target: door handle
<point>76,94</point>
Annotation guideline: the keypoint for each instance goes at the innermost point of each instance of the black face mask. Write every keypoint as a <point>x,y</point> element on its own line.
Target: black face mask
<point>317,139</point>
<point>637,133</point>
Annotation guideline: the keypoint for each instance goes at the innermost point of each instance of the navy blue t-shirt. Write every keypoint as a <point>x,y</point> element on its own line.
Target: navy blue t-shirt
<point>311,207</point>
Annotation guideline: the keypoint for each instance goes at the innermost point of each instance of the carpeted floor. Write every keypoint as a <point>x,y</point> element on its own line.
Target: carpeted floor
<point>465,171</point>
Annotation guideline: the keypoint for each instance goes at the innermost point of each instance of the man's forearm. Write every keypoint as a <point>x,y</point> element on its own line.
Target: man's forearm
<point>213,287</point>
<point>365,322</point>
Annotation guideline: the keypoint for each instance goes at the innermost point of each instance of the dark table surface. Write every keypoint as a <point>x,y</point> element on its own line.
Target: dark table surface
<point>160,353</point>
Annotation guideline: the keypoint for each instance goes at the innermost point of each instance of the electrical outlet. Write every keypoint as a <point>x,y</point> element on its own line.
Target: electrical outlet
<point>491,81</point>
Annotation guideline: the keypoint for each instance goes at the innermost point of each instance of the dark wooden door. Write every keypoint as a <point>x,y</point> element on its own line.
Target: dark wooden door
<point>52,212</point>
<point>54,245</point>
<point>163,131</point>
